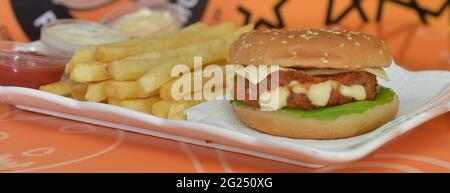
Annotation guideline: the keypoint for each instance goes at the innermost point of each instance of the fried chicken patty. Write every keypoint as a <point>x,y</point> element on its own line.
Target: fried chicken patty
<point>301,101</point>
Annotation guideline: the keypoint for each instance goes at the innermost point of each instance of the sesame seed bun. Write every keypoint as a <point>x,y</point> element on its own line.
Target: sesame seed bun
<point>310,48</point>
<point>283,124</point>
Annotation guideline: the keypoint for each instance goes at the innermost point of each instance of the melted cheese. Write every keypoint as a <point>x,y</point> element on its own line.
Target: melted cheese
<point>274,99</point>
<point>296,87</point>
<point>319,94</point>
<point>255,76</point>
<point>355,91</point>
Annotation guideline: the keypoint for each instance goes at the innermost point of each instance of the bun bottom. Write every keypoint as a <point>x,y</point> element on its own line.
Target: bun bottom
<point>285,125</point>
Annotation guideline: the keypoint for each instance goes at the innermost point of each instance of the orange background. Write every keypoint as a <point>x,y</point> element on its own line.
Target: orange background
<point>39,143</point>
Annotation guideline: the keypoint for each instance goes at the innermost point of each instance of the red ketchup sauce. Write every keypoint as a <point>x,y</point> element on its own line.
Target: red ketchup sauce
<point>29,69</point>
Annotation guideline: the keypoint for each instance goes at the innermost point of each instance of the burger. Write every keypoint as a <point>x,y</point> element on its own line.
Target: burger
<point>326,86</point>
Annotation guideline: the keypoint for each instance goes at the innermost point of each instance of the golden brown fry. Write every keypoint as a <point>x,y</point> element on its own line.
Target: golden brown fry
<point>111,52</point>
<point>196,27</point>
<point>161,108</point>
<point>156,77</point>
<point>89,72</point>
<point>127,90</point>
<point>62,88</point>
<point>177,109</point>
<point>113,101</point>
<point>83,54</point>
<point>79,92</point>
<point>142,105</point>
<point>131,69</point>
<point>97,92</point>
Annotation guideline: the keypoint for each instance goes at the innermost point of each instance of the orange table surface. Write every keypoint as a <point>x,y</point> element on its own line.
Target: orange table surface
<point>31,142</point>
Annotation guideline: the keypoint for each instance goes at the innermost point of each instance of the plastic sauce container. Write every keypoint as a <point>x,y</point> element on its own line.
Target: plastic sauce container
<point>26,65</point>
<point>144,18</point>
<point>64,36</point>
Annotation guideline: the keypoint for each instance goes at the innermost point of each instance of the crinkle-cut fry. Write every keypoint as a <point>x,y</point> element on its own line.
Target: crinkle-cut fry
<point>108,53</point>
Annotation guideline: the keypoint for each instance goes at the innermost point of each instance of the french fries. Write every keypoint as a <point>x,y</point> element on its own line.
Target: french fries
<point>196,27</point>
<point>79,92</point>
<point>62,88</point>
<point>161,108</point>
<point>165,91</point>
<point>155,78</point>
<point>127,90</point>
<point>111,52</point>
<point>136,74</point>
<point>89,72</point>
<point>97,92</point>
<point>82,55</point>
<point>177,109</point>
<point>142,105</point>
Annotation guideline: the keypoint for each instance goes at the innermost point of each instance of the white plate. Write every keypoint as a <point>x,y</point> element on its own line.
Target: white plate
<point>423,95</point>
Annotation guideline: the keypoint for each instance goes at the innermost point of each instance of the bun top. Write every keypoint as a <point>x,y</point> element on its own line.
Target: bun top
<point>310,48</point>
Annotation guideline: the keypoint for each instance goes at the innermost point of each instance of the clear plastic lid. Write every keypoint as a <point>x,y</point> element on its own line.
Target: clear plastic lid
<point>66,35</point>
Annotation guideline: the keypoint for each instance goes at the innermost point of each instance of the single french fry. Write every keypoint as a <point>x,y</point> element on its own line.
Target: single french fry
<point>142,105</point>
<point>89,72</point>
<point>62,88</point>
<point>131,69</point>
<point>79,92</point>
<point>96,92</point>
<point>83,54</point>
<point>113,101</point>
<point>108,52</point>
<point>156,77</point>
<point>177,109</point>
<point>191,29</point>
<point>161,108</point>
<point>127,90</point>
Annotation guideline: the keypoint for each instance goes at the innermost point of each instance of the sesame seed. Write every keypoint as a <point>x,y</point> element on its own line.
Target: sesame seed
<point>272,38</point>
<point>252,60</point>
<point>294,52</point>
<point>345,66</point>
<point>349,38</point>
<point>284,42</point>
<point>325,54</point>
<point>276,33</point>
<point>291,36</point>
<point>358,66</point>
<point>381,52</point>
<point>324,60</point>
<point>261,42</point>
<point>357,43</point>
<point>341,45</point>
